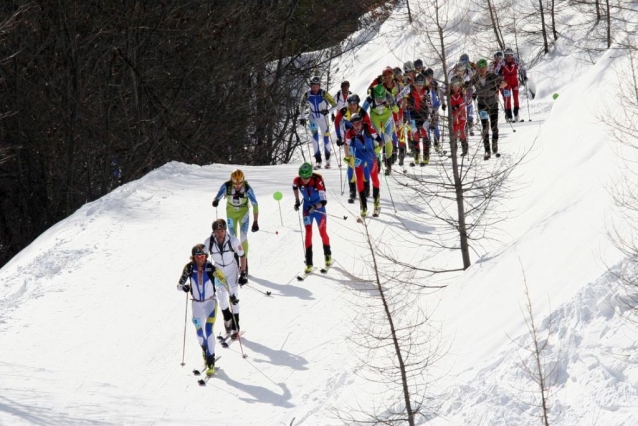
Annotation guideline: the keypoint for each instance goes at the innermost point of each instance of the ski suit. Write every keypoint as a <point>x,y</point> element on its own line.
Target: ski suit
<point>383,122</point>
<point>361,146</point>
<point>419,109</point>
<point>313,193</point>
<point>469,71</point>
<point>319,104</point>
<point>204,301</point>
<point>225,256</point>
<point>341,99</point>
<point>437,98</point>
<point>509,72</point>
<point>342,124</point>
<point>237,210</point>
<point>487,98</point>
<point>459,117</point>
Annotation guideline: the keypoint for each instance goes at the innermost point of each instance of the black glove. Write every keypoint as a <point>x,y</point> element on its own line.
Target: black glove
<point>243,279</point>
<point>378,139</point>
<point>324,111</point>
<point>297,204</point>
<point>312,209</point>
<point>186,288</point>
<point>215,203</point>
<point>525,79</point>
<point>339,142</point>
<point>302,121</point>
<point>332,117</point>
<point>443,107</point>
<point>474,96</point>
<point>233,299</point>
<point>255,227</point>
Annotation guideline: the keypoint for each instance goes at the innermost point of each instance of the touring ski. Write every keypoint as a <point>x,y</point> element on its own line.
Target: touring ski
<point>304,275</point>
<point>326,268</point>
<point>228,341</point>
<point>198,372</point>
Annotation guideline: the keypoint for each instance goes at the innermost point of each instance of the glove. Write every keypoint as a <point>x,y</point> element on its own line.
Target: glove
<point>312,209</point>
<point>233,299</point>
<point>255,227</point>
<point>185,288</point>
<point>339,142</point>
<point>474,96</point>
<point>332,117</point>
<point>347,160</point>
<point>297,204</point>
<point>378,139</point>
<point>324,111</point>
<point>525,79</point>
<point>302,121</point>
<point>443,107</point>
<point>243,279</point>
<point>215,202</point>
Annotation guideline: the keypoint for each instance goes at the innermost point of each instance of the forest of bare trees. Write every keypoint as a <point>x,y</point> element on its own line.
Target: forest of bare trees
<point>94,94</point>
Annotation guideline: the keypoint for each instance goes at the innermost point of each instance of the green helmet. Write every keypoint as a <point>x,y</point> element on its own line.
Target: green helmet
<point>482,63</point>
<point>379,91</point>
<point>305,171</point>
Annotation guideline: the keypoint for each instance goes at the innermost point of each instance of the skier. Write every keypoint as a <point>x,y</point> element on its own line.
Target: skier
<point>437,99</point>
<point>238,193</point>
<point>225,250</point>
<point>313,190</point>
<point>418,66</point>
<point>319,102</point>
<point>464,70</point>
<point>509,71</point>
<point>409,73</point>
<point>361,141</point>
<point>497,63</point>
<point>382,104</point>
<point>341,97</point>
<point>487,85</point>
<point>459,113</point>
<point>419,109</point>
<point>342,123</point>
<point>201,276</point>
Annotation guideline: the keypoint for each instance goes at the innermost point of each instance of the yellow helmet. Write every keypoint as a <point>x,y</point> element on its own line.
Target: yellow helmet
<point>237,176</point>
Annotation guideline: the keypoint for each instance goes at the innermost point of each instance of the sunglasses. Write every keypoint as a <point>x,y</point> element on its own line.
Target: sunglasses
<point>238,182</point>
<point>199,256</point>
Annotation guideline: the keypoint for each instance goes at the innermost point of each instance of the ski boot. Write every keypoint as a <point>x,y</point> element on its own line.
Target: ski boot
<point>426,161</point>
<point>464,148</point>
<point>308,269</point>
<point>210,363</point>
<point>487,155</point>
<point>328,260</point>
<point>377,207</point>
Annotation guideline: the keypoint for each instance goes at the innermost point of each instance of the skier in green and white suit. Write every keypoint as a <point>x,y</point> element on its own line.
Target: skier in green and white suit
<point>238,193</point>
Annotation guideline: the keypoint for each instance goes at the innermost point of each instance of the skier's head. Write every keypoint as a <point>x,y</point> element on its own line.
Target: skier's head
<point>397,72</point>
<point>198,253</point>
<point>237,177</point>
<point>498,55</point>
<point>357,121</point>
<point>419,80</point>
<point>379,93</point>
<point>418,65</point>
<point>464,59</point>
<point>353,103</point>
<point>508,53</point>
<point>219,229</point>
<point>428,73</point>
<point>460,69</point>
<point>345,85</point>
<point>481,66</point>
<point>305,171</point>
<point>456,85</point>
<point>387,75</point>
<point>315,83</point>
<point>408,67</point>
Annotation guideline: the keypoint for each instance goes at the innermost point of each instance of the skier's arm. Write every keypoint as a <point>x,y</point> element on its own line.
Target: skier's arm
<point>253,201</point>
<point>338,122</point>
<point>367,103</point>
<point>221,278</point>
<point>221,193</point>
<point>303,105</point>
<point>328,98</point>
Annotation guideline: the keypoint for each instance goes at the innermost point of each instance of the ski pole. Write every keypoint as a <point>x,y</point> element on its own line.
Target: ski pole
<point>333,150</point>
<point>331,215</point>
<point>241,347</point>
<point>185,321</point>
<point>216,213</point>
<point>308,143</point>
<point>303,242</point>
<point>388,186</point>
<point>510,123</point>
<point>267,293</point>
<point>527,97</point>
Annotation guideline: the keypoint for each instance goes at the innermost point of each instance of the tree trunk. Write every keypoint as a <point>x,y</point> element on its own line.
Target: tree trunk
<point>543,27</point>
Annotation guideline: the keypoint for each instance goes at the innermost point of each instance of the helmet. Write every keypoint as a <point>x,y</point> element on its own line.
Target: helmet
<point>305,171</point>
<point>356,118</point>
<point>379,91</point>
<point>387,71</point>
<point>419,79</point>
<point>508,51</point>
<point>198,249</point>
<point>460,66</point>
<point>237,176</point>
<point>345,83</point>
<point>498,55</point>
<point>408,66</point>
<point>418,63</point>
<point>354,99</point>
<point>315,80</point>
<point>429,73</point>
<point>456,82</point>
<point>219,224</point>
<point>482,63</point>
<point>397,72</point>
<point>464,58</point>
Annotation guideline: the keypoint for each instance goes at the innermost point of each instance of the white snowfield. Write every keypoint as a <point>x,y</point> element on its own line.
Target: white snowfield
<point>91,323</point>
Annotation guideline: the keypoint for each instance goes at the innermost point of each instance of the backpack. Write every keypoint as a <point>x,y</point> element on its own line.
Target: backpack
<point>230,247</point>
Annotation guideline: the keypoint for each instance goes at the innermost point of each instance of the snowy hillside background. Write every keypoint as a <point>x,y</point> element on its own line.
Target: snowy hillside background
<point>91,325</point>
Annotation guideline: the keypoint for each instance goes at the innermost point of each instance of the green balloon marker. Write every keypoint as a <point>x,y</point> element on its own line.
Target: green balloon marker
<point>277,195</point>
<point>555,96</point>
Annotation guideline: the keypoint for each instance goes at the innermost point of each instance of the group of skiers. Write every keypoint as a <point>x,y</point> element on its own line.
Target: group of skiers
<point>401,111</point>
<point>403,107</point>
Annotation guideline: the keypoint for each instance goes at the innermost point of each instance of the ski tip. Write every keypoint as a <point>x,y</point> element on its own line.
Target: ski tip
<point>201,382</point>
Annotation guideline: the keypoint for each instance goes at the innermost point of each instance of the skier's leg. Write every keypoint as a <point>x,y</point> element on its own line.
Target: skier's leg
<point>325,132</point>
<point>494,125</point>
<point>314,128</point>
<point>245,221</point>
